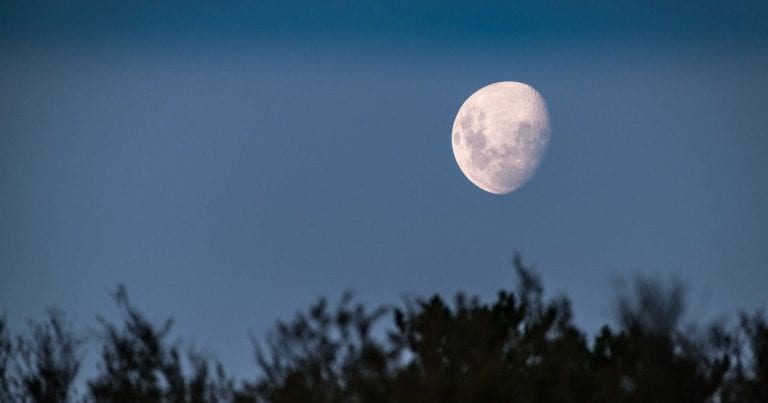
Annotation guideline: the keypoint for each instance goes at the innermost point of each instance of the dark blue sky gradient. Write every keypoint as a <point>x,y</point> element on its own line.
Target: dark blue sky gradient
<point>357,22</point>
<point>232,164</point>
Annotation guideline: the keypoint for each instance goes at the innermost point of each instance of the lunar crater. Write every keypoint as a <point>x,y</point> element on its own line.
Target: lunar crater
<point>476,140</point>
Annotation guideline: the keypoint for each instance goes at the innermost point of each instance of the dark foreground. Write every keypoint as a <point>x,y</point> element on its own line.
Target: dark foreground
<point>519,348</point>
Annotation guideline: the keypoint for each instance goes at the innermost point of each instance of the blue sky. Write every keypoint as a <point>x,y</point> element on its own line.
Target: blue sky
<point>230,164</point>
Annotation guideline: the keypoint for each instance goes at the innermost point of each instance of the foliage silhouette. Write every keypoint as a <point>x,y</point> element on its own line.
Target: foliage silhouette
<point>472,352</point>
<point>749,382</point>
<point>44,362</point>
<point>6,351</point>
<point>139,366</point>
<point>323,356</point>
<point>651,357</point>
<point>521,347</point>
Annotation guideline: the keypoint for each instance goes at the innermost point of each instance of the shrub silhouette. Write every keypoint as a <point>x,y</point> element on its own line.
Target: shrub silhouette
<point>40,366</point>
<point>138,365</point>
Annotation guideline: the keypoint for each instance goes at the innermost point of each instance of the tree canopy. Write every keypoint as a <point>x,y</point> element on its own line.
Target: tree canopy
<point>520,347</point>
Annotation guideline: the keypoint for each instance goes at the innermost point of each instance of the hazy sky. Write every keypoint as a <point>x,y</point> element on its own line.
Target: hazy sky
<point>229,165</point>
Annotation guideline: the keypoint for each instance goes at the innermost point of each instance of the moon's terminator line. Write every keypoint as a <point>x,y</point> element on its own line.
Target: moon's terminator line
<point>500,135</point>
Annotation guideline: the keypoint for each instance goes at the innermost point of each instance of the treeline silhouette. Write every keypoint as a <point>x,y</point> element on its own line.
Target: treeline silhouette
<point>519,348</point>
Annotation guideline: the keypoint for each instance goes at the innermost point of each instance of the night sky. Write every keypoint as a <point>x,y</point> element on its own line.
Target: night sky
<point>231,164</point>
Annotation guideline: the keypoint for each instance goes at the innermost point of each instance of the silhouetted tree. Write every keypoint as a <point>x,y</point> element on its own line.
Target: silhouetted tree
<point>48,360</point>
<point>323,357</point>
<point>655,306</point>
<point>651,357</point>
<point>520,348</point>
<point>138,366</point>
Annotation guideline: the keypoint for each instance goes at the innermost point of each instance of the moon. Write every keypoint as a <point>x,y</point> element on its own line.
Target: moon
<point>500,135</point>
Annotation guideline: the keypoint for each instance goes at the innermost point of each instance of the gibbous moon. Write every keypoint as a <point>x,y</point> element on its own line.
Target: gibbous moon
<point>500,135</point>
